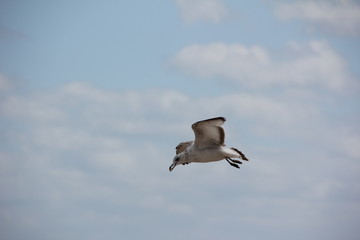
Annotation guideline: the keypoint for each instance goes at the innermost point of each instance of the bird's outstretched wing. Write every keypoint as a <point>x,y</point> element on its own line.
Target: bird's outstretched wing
<point>182,146</point>
<point>209,133</point>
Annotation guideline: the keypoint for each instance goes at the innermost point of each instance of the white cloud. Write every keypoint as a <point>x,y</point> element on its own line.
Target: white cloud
<point>337,16</point>
<point>351,145</point>
<point>180,208</point>
<point>202,10</point>
<point>4,83</point>
<point>311,64</point>
<point>103,162</point>
<point>33,108</point>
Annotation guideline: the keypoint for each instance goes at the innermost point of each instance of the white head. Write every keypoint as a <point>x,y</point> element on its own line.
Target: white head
<point>178,159</point>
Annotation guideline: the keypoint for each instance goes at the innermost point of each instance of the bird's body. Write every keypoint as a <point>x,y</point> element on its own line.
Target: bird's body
<point>208,145</point>
<point>211,154</point>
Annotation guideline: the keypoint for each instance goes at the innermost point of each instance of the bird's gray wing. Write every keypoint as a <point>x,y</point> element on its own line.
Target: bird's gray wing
<point>209,133</point>
<point>182,146</point>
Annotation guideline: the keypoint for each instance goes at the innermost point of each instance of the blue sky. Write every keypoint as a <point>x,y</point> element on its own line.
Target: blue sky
<point>94,97</point>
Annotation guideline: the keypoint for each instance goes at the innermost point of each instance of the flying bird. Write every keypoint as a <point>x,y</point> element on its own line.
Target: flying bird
<point>208,145</point>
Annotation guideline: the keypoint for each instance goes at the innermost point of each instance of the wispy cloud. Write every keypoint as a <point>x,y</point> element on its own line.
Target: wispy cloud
<point>337,16</point>
<point>202,10</point>
<point>99,160</point>
<point>311,64</point>
<point>4,83</point>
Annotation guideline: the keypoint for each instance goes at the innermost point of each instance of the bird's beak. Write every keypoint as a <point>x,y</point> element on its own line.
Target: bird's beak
<point>172,166</point>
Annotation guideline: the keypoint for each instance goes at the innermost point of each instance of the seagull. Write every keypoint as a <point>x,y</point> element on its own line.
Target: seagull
<point>208,145</point>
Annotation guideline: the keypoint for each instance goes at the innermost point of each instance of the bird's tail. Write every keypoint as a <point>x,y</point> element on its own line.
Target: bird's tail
<point>242,156</point>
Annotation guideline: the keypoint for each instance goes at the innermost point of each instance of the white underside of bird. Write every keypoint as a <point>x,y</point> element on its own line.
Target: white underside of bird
<point>208,145</point>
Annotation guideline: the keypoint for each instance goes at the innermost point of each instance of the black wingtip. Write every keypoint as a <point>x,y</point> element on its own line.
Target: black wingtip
<point>222,118</point>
